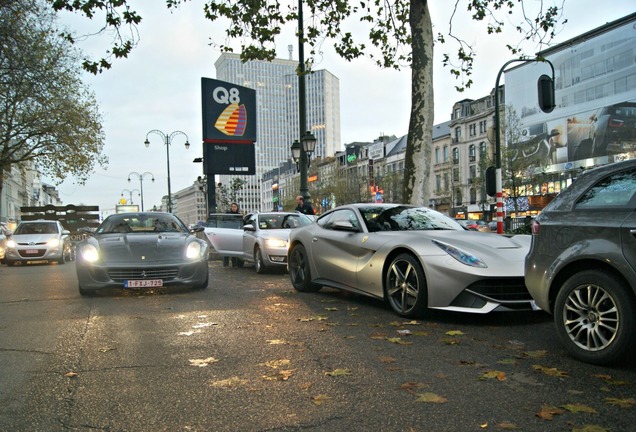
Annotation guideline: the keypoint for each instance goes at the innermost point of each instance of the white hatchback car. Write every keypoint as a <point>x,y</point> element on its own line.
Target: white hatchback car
<point>38,240</point>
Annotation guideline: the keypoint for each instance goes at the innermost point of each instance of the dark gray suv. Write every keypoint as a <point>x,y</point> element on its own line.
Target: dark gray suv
<point>582,263</point>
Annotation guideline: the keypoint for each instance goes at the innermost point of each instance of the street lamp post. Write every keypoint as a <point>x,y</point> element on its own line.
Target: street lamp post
<point>167,139</point>
<point>307,143</point>
<point>130,193</point>
<point>141,183</point>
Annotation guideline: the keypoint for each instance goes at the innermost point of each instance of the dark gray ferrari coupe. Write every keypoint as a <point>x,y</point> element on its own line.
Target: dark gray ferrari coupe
<point>142,250</point>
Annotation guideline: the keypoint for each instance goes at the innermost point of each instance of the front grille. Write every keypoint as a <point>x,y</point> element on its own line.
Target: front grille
<point>120,275</point>
<point>502,290</point>
<point>31,244</point>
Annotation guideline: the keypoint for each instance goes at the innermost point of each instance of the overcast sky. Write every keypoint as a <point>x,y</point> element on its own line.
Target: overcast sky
<point>158,87</point>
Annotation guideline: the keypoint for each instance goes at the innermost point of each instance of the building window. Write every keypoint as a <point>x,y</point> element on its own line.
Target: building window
<point>445,153</point>
<point>482,150</point>
<point>473,196</point>
<point>437,155</point>
<point>472,172</point>
<point>458,134</point>
<point>472,129</point>
<point>455,156</point>
<point>456,175</point>
<point>438,184</point>
<point>471,153</point>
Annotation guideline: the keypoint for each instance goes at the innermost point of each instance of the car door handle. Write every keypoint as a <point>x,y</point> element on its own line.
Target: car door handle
<point>314,239</point>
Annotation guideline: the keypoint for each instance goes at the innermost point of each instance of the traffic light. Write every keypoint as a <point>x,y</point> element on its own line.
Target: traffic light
<point>491,181</point>
<point>545,87</point>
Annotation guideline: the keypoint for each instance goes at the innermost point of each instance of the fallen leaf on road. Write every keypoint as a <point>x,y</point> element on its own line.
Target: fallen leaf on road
<point>430,398</point>
<point>385,359</point>
<point>277,342</point>
<point>579,408</point>
<point>320,399</point>
<point>281,375</point>
<point>275,364</point>
<point>507,426</point>
<point>71,375</point>
<point>398,341</point>
<point>535,354</point>
<point>590,428</point>
<point>339,372</point>
<point>500,376</point>
<point>204,325</point>
<point>623,403</point>
<point>549,371</point>
<point>455,333</point>
<point>202,362</point>
<point>230,382</point>
<point>548,412</point>
<point>106,349</point>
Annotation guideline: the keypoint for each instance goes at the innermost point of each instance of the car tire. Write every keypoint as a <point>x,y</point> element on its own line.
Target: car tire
<point>9,263</point>
<point>259,265</point>
<point>405,286</point>
<point>61,260</point>
<point>594,317</point>
<point>299,272</point>
<point>84,291</point>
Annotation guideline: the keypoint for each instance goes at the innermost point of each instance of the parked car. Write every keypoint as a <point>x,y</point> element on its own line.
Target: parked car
<point>142,250</point>
<point>5,232</point>
<point>582,263</point>
<point>266,236</point>
<point>38,240</point>
<point>413,257</point>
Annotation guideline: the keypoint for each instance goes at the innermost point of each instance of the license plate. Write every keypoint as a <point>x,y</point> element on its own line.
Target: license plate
<point>143,283</point>
<point>31,251</point>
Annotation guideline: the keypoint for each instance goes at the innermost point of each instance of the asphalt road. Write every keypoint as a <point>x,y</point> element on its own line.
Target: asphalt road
<point>251,354</point>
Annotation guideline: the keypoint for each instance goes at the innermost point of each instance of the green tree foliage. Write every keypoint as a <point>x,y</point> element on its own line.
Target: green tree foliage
<point>48,119</point>
<point>226,194</point>
<point>396,34</point>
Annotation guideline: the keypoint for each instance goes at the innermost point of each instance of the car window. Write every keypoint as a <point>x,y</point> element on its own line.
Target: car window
<point>140,224</point>
<point>342,215</point>
<point>616,190</point>
<point>404,218</point>
<point>37,228</point>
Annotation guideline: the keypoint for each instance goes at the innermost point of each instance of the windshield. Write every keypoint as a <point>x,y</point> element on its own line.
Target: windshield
<point>37,228</point>
<point>404,218</point>
<point>136,223</point>
<point>281,220</point>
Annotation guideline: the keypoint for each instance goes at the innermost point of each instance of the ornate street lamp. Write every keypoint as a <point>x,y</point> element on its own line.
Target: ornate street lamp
<point>167,139</point>
<point>130,193</point>
<point>141,183</point>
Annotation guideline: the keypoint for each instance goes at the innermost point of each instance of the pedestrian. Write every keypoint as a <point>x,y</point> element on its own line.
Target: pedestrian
<point>234,209</point>
<point>303,207</point>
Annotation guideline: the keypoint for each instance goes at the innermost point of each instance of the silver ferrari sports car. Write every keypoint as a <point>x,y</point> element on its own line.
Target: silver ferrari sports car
<point>413,257</point>
<point>142,250</point>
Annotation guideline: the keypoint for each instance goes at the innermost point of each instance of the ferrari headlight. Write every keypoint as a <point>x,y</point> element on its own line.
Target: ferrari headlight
<point>89,253</point>
<point>54,242</point>
<point>193,250</point>
<point>461,256</point>
<point>276,243</point>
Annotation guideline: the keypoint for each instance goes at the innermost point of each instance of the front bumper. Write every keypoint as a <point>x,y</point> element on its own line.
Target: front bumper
<point>95,277</point>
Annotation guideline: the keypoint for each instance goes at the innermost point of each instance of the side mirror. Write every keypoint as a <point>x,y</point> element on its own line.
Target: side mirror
<point>249,227</point>
<point>197,229</point>
<point>344,226</point>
